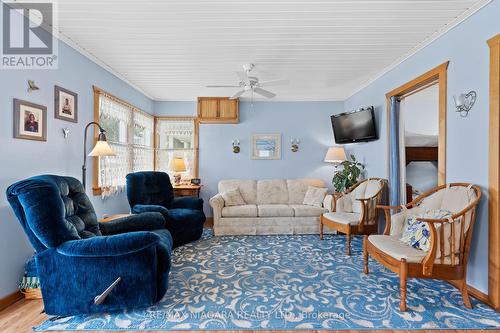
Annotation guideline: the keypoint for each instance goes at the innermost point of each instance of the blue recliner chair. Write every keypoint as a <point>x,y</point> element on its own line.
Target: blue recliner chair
<point>78,259</point>
<point>152,191</point>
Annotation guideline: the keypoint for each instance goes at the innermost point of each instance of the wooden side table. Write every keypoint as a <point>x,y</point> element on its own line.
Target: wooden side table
<point>113,217</point>
<point>187,190</point>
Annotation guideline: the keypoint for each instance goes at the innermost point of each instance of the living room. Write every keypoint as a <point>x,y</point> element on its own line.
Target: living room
<point>198,166</point>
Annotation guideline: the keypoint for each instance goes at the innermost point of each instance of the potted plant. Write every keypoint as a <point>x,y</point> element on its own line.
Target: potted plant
<point>348,176</point>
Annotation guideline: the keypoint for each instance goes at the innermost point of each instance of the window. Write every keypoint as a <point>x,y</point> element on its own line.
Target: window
<point>177,137</point>
<point>130,134</point>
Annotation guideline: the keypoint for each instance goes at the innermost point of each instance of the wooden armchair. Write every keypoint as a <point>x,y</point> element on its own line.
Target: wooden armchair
<point>450,238</point>
<point>355,212</point>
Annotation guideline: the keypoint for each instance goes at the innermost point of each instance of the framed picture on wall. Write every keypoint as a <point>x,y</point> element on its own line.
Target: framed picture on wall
<point>65,104</point>
<point>266,146</point>
<point>30,121</point>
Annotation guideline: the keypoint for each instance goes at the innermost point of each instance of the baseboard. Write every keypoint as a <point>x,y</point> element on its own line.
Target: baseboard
<point>8,300</point>
<point>209,222</point>
<point>479,295</point>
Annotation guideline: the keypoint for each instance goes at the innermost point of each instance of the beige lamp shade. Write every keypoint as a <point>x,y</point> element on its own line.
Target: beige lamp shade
<point>335,155</point>
<point>101,148</point>
<point>177,164</point>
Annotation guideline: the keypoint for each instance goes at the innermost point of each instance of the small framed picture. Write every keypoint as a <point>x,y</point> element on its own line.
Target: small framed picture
<point>266,147</point>
<point>65,104</point>
<point>30,121</point>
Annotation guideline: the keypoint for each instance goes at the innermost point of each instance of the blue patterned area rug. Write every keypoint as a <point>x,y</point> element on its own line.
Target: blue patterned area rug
<point>287,283</point>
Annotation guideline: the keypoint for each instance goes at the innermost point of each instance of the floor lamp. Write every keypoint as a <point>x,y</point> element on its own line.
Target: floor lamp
<point>101,148</point>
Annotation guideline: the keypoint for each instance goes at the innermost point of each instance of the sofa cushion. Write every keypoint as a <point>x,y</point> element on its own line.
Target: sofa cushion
<point>248,188</point>
<point>343,217</point>
<point>233,197</point>
<point>240,211</point>
<point>272,191</point>
<point>315,196</point>
<point>307,211</point>
<point>297,189</point>
<point>274,210</point>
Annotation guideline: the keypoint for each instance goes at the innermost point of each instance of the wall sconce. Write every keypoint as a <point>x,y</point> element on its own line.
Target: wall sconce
<point>294,144</point>
<point>32,86</point>
<point>65,132</point>
<point>236,146</point>
<point>464,102</point>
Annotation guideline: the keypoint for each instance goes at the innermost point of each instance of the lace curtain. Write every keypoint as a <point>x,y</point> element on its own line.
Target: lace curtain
<point>130,135</point>
<point>176,139</point>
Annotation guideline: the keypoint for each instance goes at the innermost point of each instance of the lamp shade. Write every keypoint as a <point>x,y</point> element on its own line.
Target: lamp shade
<point>102,148</point>
<point>335,155</point>
<point>177,164</point>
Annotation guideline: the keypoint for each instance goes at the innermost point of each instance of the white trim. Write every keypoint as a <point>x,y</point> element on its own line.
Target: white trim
<point>465,15</point>
<point>87,54</point>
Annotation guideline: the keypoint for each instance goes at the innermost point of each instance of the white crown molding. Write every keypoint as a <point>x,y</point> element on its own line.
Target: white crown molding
<point>464,16</point>
<point>87,54</point>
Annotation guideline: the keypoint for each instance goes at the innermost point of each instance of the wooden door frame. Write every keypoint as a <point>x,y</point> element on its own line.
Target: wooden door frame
<point>494,176</point>
<point>436,75</point>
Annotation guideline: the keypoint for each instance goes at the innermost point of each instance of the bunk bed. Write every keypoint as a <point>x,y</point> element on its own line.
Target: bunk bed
<point>419,148</point>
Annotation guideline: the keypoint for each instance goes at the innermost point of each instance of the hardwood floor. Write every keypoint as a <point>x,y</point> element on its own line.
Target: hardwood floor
<point>23,315</point>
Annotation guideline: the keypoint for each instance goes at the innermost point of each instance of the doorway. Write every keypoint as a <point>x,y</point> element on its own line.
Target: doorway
<point>431,82</point>
<point>419,143</point>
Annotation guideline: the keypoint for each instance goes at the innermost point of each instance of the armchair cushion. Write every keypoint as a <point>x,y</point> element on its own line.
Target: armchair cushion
<point>188,203</point>
<point>135,222</point>
<point>139,209</point>
<point>108,246</point>
<point>392,246</point>
<point>53,210</point>
<point>343,217</point>
<point>364,190</point>
<point>343,203</point>
<point>185,225</point>
<point>149,188</point>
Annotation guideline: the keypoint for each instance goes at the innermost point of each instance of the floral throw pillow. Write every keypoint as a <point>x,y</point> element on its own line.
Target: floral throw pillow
<point>416,233</point>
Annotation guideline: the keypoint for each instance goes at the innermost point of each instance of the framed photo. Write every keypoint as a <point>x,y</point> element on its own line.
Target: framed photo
<point>266,146</point>
<point>30,121</point>
<point>66,104</point>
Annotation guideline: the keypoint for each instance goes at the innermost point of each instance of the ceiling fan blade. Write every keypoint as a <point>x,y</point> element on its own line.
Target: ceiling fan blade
<point>274,83</point>
<point>238,94</point>
<point>215,86</point>
<point>264,92</point>
<point>243,77</point>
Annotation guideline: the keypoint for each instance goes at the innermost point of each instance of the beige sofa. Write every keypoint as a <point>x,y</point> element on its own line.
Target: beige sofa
<point>272,207</point>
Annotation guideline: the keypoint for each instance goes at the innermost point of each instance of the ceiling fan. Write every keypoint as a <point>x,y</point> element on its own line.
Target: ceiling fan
<point>251,83</point>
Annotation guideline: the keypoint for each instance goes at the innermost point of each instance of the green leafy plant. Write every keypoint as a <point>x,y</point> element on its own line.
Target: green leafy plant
<point>348,175</point>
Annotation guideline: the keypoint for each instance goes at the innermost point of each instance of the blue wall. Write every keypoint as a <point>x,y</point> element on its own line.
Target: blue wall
<point>24,158</point>
<point>467,138</point>
<point>308,121</point>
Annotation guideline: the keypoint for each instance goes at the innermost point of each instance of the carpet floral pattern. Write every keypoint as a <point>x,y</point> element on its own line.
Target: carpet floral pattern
<point>287,282</point>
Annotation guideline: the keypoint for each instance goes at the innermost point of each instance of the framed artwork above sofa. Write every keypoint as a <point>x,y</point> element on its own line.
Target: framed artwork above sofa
<point>266,146</point>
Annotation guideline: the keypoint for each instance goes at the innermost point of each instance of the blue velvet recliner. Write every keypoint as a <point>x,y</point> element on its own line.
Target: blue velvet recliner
<point>152,191</point>
<point>78,258</point>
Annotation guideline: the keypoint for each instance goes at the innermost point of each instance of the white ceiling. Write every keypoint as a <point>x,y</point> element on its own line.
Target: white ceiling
<point>328,49</point>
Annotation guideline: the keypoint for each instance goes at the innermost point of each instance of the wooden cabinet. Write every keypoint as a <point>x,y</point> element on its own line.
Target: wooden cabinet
<point>218,110</point>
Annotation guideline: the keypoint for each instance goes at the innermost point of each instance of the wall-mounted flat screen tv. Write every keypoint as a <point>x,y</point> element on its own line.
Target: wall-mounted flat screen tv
<point>356,126</point>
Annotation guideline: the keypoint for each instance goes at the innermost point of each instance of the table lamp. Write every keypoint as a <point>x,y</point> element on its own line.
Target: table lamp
<point>335,155</point>
<point>177,165</point>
